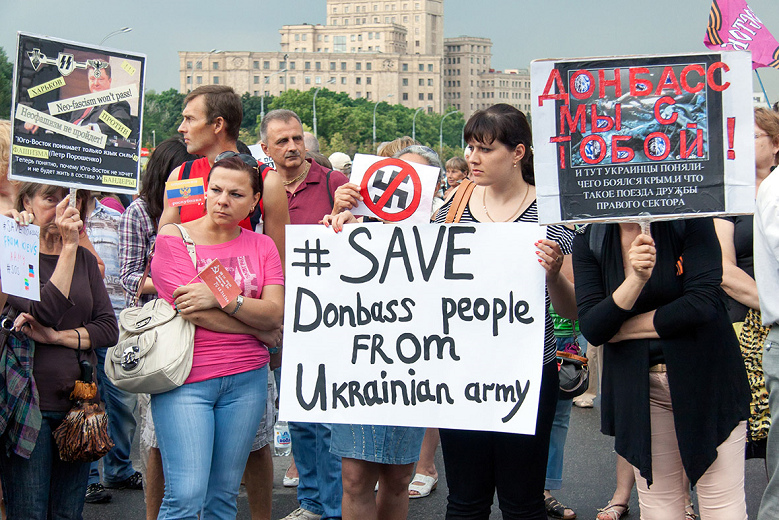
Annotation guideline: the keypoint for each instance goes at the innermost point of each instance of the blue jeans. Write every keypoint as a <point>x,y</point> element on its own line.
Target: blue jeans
<point>770,503</point>
<point>120,406</point>
<point>205,431</point>
<point>44,486</point>
<point>319,489</point>
<point>562,417</point>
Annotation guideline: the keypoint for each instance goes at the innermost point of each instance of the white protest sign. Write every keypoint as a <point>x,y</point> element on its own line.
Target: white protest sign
<point>394,190</point>
<point>429,326</point>
<point>19,259</point>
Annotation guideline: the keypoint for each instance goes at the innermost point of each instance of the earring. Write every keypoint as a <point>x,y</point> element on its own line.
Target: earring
<point>515,165</point>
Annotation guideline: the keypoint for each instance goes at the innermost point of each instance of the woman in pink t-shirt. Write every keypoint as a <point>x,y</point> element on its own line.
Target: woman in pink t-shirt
<point>206,426</point>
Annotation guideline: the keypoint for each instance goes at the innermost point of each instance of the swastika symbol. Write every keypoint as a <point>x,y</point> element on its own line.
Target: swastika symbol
<point>380,183</point>
<point>309,252</point>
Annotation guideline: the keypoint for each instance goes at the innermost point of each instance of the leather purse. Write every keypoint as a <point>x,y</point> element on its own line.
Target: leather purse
<point>154,353</point>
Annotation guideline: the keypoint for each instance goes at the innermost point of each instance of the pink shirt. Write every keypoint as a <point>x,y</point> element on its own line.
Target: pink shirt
<point>252,259</point>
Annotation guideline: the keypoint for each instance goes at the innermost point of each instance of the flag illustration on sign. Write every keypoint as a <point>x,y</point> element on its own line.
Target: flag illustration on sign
<point>734,26</point>
<point>185,192</point>
<point>32,271</point>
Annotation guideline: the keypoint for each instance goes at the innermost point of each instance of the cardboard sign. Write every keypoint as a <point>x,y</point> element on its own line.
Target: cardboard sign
<point>394,190</point>
<point>430,325</point>
<point>219,281</point>
<point>19,259</point>
<point>185,192</point>
<point>621,138</point>
<point>77,111</point>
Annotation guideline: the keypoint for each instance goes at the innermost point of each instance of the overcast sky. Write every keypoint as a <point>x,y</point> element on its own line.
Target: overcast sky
<point>521,30</point>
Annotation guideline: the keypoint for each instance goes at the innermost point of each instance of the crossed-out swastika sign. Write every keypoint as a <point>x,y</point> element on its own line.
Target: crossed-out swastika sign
<point>394,190</point>
<point>391,189</point>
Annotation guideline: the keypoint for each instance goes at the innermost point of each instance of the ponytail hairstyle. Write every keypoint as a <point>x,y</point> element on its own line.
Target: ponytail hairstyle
<point>508,126</point>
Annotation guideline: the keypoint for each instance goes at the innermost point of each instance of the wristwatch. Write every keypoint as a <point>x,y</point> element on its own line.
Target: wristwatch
<point>238,303</point>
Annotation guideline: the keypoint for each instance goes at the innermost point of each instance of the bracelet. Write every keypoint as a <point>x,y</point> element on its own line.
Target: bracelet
<point>272,350</point>
<point>79,339</point>
<point>238,303</point>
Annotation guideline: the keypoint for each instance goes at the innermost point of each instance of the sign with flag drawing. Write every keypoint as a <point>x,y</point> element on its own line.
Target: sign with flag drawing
<point>643,137</point>
<point>734,26</point>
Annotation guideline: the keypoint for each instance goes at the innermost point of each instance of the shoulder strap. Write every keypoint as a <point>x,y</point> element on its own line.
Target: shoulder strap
<point>597,238</point>
<point>329,193</point>
<point>460,200</point>
<point>186,170</point>
<point>190,249</point>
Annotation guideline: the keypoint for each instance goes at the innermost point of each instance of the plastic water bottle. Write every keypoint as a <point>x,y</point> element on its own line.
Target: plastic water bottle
<point>282,442</point>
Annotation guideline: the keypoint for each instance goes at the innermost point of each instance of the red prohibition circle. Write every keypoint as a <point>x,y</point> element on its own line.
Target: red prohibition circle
<point>406,170</point>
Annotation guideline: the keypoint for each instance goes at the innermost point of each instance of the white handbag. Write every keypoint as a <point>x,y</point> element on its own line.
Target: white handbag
<point>154,353</point>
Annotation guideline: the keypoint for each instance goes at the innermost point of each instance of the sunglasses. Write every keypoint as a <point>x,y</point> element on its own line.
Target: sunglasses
<point>246,158</point>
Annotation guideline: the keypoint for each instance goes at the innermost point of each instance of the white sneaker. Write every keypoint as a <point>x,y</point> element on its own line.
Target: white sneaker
<point>302,514</point>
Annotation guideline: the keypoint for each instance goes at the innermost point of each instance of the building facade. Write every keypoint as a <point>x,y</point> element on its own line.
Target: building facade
<point>390,51</point>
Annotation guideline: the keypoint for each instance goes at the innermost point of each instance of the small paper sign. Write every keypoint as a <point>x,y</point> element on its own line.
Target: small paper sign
<point>221,283</point>
<point>185,192</point>
<point>19,259</point>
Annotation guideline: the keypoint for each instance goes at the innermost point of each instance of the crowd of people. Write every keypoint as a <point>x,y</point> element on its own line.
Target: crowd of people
<point>679,316</point>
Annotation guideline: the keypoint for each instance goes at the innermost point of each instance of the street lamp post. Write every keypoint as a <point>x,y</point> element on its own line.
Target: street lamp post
<point>114,33</point>
<point>154,139</point>
<point>414,122</point>
<point>441,132</point>
<point>262,96</point>
<point>331,80</point>
<point>374,118</point>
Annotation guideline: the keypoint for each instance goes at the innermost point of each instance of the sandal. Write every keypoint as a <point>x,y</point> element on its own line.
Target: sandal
<point>422,485</point>
<point>610,512</point>
<point>554,509</point>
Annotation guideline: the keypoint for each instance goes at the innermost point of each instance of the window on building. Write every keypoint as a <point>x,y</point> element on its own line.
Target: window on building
<point>189,65</point>
<point>189,80</point>
<point>319,37</point>
<point>339,44</point>
<point>368,80</point>
<point>256,80</point>
<point>332,65</point>
<point>346,9</point>
<point>405,96</point>
<point>369,66</point>
<point>304,37</point>
<point>199,65</point>
<point>405,82</point>
<point>421,82</point>
<point>335,10</point>
<point>199,80</point>
<point>430,67</point>
<point>307,65</point>
<point>430,82</point>
<point>292,80</point>
<point>358,66</point>
<point>358,81</point>
<point>346,21</point>
<point>297,37</point>
<point>215,65</point>
<point>216,80</point>
<point>430,97</point>
<point>291,65</point>
<point>343,80</point>
<point>416,18</point>
<point>318,80</point>
<point>308,80</point>
<point>281,80</point>
<point>353,38</point>
<point>417,43</point>
<point>343,65</point>
<point>405,19</point>
<point>318,65</point>
<point>334,21</point>
<point>327,38</point>
<point>421,96</point>
<point>404,67</point>
<point>358,94</point>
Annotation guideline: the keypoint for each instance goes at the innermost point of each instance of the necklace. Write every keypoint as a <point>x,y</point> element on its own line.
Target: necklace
<point>299,177</point>
<point>516,213</point>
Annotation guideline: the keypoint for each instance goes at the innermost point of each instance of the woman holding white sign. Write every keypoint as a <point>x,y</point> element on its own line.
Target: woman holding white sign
<point>72,318</point>
<point>674,389</point>
<point>478,463</point>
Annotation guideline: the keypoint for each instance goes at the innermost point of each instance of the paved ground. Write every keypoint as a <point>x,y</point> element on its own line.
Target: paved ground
<point>589,481</point>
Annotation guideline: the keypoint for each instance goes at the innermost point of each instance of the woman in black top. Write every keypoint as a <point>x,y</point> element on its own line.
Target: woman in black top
<point>674,387</point>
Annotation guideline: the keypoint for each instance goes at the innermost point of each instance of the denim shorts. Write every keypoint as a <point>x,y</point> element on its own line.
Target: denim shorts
<point>382,444</point>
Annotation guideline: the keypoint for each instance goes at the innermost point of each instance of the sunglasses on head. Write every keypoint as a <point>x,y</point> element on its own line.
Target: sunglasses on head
<point>246,158</point>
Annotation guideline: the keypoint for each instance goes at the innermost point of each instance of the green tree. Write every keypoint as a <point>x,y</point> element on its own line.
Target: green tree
<point>6,77</point>
<point>161,114</point>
